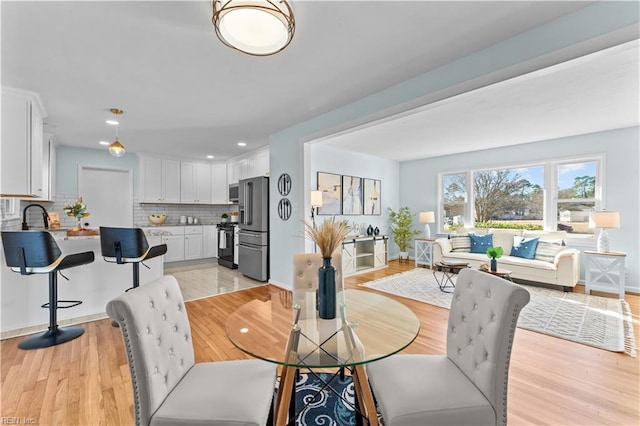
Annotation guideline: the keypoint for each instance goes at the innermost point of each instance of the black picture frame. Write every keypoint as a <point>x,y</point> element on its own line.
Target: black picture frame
<point>352,195</point>
<point>372,197</point>
<point>331,186</point>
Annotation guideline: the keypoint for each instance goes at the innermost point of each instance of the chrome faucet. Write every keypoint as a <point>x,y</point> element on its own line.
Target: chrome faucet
<point>45,216</point>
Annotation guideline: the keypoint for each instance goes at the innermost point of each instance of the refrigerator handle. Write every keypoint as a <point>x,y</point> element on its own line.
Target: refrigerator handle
<point>249,205</point>
<point>243,208</point>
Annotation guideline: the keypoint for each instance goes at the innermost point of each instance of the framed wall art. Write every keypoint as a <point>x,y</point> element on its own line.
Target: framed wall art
<point>372,199</point>
<point>351,195</point>
<point>330,185</point>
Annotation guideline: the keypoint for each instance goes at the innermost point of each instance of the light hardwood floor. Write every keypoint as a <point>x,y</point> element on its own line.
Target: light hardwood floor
<point>86,381</point>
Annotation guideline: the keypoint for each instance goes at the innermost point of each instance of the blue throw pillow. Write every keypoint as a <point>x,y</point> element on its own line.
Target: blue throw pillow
<point>524,247</point>
<point>480,243</point>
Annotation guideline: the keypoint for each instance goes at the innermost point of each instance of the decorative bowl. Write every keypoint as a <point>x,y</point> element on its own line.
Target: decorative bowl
<point>157,219</point>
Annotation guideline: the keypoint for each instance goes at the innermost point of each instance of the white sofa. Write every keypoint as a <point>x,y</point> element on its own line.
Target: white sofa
<point>561,268</point>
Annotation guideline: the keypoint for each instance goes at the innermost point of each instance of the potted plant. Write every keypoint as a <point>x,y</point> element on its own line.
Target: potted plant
<point>494,253</point>
<point>224,217</point>
<point>401,222</point>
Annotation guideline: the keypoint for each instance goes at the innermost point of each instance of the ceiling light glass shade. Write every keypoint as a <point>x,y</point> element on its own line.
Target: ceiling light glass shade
<point>255,27</point>
<point>116,149</point>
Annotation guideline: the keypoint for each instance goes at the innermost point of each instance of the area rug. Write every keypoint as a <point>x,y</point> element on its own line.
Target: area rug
<point>602,322</point>
<point>316,404</point>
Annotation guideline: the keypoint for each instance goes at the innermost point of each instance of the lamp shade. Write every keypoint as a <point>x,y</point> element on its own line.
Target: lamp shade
<point>116,149</point>
<point>427,217</point>
<point>255,27</point>
<point>604,219</point>
<point>316,198</point>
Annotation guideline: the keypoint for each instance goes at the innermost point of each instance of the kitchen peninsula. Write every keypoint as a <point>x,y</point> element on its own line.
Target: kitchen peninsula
<point>95,284</point>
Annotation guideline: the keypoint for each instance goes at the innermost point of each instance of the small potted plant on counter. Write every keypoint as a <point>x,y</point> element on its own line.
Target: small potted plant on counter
<point>224,217</point>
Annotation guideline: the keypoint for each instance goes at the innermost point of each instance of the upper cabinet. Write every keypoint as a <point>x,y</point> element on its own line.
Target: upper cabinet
<point>159,179</point>
<point>22,159</point>
<point>195,182</point>
<point>219,188</point>
<point>254,164</point>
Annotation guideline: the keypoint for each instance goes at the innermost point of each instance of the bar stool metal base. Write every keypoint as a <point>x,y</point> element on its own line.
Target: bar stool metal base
<point>51,337</point>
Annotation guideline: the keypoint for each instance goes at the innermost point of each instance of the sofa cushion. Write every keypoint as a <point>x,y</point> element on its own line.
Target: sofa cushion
<point>547,249</point>
<point>524,247</point>
<point>504,238</point>
<point>480,243</point>
<point>460,243</point>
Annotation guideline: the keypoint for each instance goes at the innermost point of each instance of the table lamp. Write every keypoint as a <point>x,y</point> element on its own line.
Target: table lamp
<point>427,218</point>
<point>316,201</point>
<point>604,219</point>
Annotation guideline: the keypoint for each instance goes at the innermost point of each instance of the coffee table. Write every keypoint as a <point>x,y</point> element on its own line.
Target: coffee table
<point>502,273</point>
<point>448,271</point>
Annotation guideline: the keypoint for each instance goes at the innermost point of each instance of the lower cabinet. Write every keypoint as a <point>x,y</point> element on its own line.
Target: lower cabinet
<point>361,254</point>
<point>175,247</point>
<point>210,241</point>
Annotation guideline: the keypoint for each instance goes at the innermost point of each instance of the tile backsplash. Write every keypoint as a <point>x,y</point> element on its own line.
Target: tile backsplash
<point>206,214</point>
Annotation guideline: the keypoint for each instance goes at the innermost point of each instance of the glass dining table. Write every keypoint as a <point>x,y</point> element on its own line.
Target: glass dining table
<point>286,330</point>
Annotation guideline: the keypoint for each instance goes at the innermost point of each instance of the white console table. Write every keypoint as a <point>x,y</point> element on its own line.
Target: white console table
<point>605,271</point>
<point>364,253</point>
<point>424,251</point>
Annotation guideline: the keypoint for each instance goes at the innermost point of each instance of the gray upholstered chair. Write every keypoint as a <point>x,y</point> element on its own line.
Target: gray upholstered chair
<point>169,388</point>
<point>468,385</point>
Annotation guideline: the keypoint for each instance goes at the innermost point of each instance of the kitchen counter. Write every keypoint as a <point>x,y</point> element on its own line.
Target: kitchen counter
<point>95,284</point>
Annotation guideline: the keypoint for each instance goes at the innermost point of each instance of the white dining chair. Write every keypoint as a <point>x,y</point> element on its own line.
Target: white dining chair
<point>468,385</point>
<point>169,388</point>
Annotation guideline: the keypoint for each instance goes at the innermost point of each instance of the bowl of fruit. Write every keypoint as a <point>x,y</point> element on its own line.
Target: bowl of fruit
<point>157,219</point>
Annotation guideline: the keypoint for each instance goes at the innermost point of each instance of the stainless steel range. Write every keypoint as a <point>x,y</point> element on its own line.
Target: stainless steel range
<point>227,245</point>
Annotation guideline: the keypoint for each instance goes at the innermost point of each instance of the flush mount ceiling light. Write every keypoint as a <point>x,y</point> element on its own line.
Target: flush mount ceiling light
<point>255,27</point>
<point>116,148</point>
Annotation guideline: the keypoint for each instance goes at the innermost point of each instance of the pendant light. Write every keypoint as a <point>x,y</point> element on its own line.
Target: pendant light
<point>116,148</point>
<point>255,27</point>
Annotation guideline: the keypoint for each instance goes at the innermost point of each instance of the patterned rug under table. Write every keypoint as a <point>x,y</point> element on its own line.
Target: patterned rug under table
<point>601,322</point>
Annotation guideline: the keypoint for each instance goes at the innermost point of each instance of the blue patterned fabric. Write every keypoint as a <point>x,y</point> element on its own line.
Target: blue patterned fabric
<point>480,243</point>
<point>524,247</point>
<point>317,405</point>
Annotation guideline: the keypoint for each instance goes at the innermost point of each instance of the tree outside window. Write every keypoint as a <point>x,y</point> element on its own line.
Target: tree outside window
<point>576,196</point>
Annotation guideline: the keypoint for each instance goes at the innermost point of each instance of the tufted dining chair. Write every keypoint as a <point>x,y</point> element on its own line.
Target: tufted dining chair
<point>305,279</point>
<point>169,388</point>
<point>468,385</point>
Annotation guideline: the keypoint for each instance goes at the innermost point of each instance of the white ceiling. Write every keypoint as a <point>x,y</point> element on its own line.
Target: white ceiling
<point>185,93</point>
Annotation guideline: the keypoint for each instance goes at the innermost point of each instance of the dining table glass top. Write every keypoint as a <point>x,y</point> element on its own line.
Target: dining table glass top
<point>286,329</point>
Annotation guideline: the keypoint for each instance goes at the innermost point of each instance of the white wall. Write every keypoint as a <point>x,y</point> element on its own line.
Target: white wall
<point>419,179</point>
<point>333,160</point>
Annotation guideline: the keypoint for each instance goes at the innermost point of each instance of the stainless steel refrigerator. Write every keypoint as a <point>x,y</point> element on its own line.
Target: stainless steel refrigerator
<point>253,249</point>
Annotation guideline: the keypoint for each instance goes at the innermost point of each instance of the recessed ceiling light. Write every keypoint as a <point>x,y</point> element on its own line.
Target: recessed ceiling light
<point>112,122</point>
<point>210,157</point>
<point>104,143</point>
<point>242,144</point>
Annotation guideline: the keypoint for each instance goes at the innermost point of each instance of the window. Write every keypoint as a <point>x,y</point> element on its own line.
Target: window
<point>554,195</point>
<point>454,190</point>
<point>576,196</point>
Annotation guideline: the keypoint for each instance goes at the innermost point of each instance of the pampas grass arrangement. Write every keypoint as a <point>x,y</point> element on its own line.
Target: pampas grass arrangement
<point>328,235</point>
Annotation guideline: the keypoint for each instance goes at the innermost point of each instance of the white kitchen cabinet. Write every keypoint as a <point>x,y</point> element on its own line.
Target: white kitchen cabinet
<point>233,172</point>
<point>193,248</point>
<point>209,241</point>
<point>219,188</point>
<point>195,182</point>
<point>22,143</point>
<point>175,247</point>
<point>262,163</point>
<point>49,167</point>
<point>159,179</point>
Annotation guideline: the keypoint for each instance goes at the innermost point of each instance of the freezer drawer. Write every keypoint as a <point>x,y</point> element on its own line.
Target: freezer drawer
<point>253,238</point>
<point>253,262</point>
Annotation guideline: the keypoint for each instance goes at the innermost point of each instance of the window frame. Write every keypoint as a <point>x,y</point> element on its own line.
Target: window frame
<point>550,190</point>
